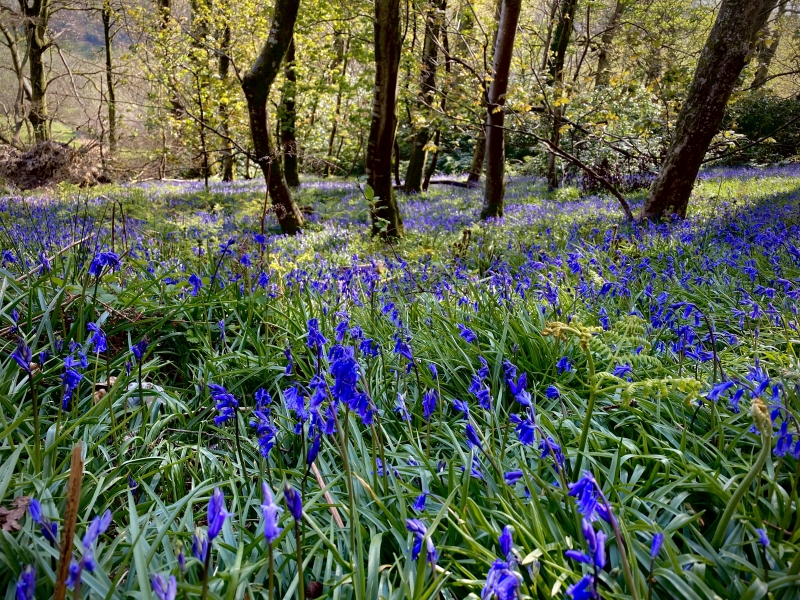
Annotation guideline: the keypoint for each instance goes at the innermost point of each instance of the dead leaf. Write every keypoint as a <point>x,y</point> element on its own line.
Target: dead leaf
<point>9,518</point>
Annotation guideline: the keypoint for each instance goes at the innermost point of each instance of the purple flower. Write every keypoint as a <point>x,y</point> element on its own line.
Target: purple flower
<point>564,365</point>
<point>315,338</point>
<point>102,260</point>
<point>583,589</point>
<point>216,513</point>
<point>271,513</point>
<point>417,527</point>
<point>139,348</point>
<point>473,441</point>
<point>402,348</point>
<point>784,442</point>
<point>226,404</point>
<point>462,407</point>
<point>96,528</point>
<point>512,477</point>
<point>98,339</point>
<point>419,503</point>
<point>506,541</point>
<point>49,528</point>
<point>585,492</point>
<point>467,334</point>
<point>74,574</point>
<point>655,546</point>
<point>552,392</point>
<point>762,537</point>
<point>401,409</point>
<point>526,429</point>
<point>434,372</point>
<point>200,545</point>
<point>26,584</point>
<point>429,400</point>
<point>196,284</point>
<point>293,502</point>
<point>164,589</point>
<point>501,582</point>
<point>549,446</point>
<point>22,355</point>
<point>289,361</point>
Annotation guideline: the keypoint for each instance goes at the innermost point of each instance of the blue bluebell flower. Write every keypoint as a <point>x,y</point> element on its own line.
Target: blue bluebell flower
<point>512,477</point>
<point>655,546</point>
<point>164,589</point>
<point>293,502</point>
<point>467,334</point>
<point>419,503</point>
<point>564,365</point>
<point>26,584</point>
<point>271,513</point>
<point>473,441</point>
<point>763,539</point>
<point>226,404</point>
<point>216,513</point>
<point>501,582</point>
<point>23,355</point>
<point>49,528</point>
<point>418,529</point>
<point>98,339</point>
<point>429,400</point>
<point>462,407</point>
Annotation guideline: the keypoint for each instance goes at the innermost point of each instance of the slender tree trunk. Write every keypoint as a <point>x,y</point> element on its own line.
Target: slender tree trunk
<point>765,50</point>
<point>256,84</point>
<point>479,152</point>
<point>386,220</point>
<point>287,117</point>
<point>427,93</point>
<point>112,102</point>
<point>228,162</point>
<point>603,72</point>
<point>718,68</point>
<point>341,59</point>
<point>558,53</point>
<point>37,16</point>
<point>495,134</point>
<point>437,138</point>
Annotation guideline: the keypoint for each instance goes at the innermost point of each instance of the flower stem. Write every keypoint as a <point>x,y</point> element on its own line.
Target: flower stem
<point>37,452</point>
<point>301,590</point>
<point>730,509</point>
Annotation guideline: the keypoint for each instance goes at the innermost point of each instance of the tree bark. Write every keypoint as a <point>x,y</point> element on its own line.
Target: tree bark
<point>287,117</point>
<point>558,52</point>
<point>256,84</point>
<point>765,51</point>
<point>342,49</point>
<point>479,152</point>
<point>37,16</point>
<point>112,103</point>
<point>602,76</point>
<point>386,220</point>
<point>495,133</point>
<point>427,93</point>
<point>718,68</point>
<point>228,162</point>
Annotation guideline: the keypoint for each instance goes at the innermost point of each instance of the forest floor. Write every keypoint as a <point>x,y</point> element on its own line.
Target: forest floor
<point>527,405</point>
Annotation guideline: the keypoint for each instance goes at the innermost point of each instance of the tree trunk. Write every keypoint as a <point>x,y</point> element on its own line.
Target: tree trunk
<point>228,162</point>
<point>765,50</point>
<point>342,48</point>
<point>427,93</point>
<point>287,117</point>
<point>558,53</point>
<point>256,84</point>
<point>603,73</point>
<point>37,15</point>
<point>112,103</point>
<point>386,220</point>
<point>718,68</point>
<point>479,152</point>
<point>495,134</point>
